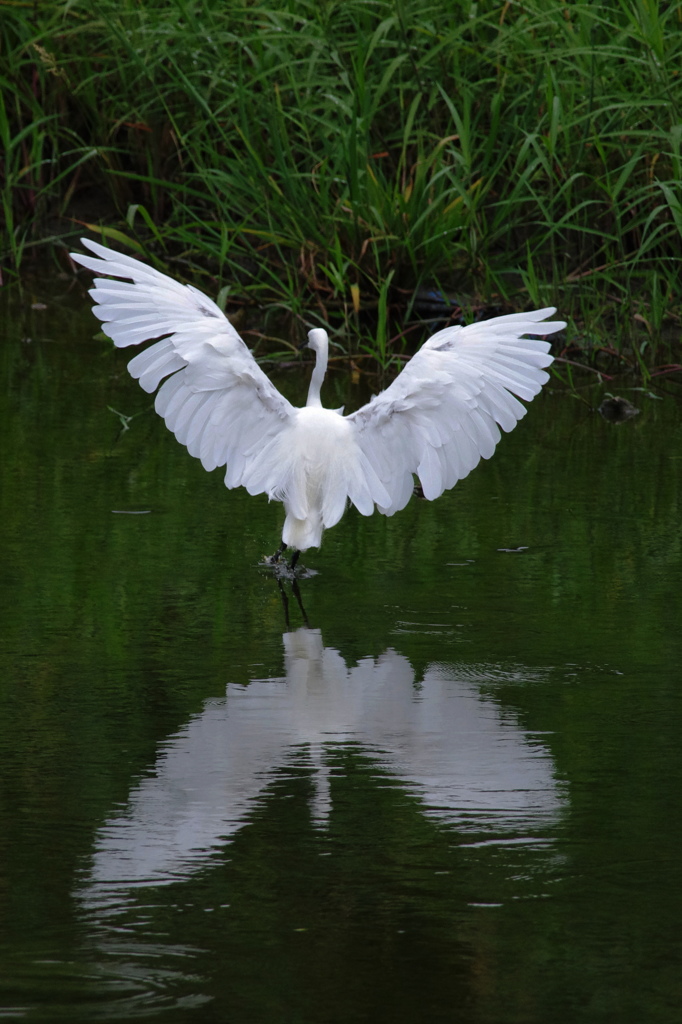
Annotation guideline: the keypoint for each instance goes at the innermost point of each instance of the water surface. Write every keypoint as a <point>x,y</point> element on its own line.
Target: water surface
<point>446,788</point>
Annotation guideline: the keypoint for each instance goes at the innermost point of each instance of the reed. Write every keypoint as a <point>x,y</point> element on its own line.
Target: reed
<point>342,160</point>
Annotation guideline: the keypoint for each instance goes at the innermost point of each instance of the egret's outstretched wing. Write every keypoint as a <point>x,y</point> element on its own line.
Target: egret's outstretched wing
<point>218,402</point>
<point>442,413</point>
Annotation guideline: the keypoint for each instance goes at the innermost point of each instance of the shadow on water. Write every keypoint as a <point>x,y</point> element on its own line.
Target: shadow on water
<point>442,786</point>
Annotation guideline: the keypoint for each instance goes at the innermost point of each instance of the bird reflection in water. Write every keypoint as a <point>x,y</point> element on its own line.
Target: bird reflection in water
<point>468,764</point>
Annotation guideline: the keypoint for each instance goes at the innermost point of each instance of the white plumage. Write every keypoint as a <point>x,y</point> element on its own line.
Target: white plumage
<point>437,419</point>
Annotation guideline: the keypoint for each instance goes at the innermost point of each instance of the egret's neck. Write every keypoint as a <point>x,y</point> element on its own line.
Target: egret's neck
<point>321,353</point>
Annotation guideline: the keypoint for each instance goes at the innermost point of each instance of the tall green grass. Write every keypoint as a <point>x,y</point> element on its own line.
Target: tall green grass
<point>338,158</point>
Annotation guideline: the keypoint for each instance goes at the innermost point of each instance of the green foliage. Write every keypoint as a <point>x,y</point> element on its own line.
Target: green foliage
<point>329,158</point>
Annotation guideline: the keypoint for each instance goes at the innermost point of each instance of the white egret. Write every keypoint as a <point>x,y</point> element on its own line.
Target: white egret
<point>437,419</point>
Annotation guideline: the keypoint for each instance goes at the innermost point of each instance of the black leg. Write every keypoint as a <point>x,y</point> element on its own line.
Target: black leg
<point>294,558</point>
<point>285,603</point>
<point>297,594</point>
<point>271,559</point>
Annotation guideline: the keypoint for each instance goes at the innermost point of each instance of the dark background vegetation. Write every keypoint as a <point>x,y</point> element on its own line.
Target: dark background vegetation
<point>362,162</point>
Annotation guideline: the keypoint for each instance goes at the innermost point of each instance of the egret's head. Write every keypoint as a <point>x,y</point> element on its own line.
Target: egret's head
<point>318,340</point>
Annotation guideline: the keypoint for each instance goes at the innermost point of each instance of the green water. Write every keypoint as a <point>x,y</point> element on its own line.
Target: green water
<point>453,796</point>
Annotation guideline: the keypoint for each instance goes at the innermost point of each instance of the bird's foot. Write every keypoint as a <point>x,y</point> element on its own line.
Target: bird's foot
<point>290,570</point>
<point>276,558</point>
<point>283,569</point>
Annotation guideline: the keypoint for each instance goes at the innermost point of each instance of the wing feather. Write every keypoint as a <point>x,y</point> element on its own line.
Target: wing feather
<point>148,366</point>
<point>440,416</point>
<point>214,396</point>
<point>444,412</point>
